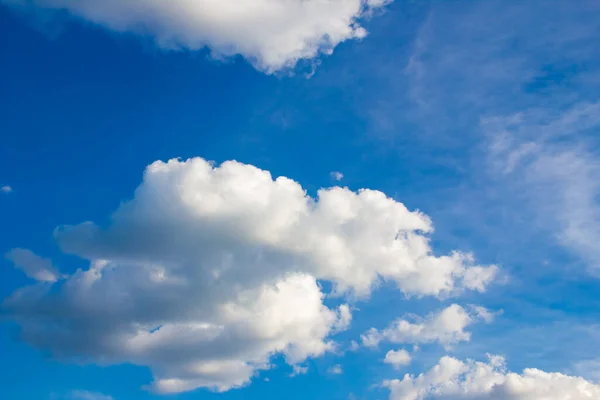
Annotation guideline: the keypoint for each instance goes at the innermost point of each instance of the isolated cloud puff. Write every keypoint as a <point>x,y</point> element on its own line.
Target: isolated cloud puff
<point>446,327</point>
<point>336,370</point>
<point>398,358</point>
<point>272,34</point>
<point>452,379</point>
<point>335,175</point>
<point>6,189</point>
<point>210,270</point>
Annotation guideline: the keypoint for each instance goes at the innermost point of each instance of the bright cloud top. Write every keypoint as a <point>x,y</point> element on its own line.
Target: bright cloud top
<point>398,358</point>
<point>209,271</point>
<point>272,34</point>
<point>453,379</point>
<point>446,327</point>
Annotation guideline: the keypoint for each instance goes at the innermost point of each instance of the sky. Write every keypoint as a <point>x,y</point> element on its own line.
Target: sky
<point>265,199</point>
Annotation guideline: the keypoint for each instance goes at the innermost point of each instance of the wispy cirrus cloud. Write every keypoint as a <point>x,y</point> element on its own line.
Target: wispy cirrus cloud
<point>551,156</point>
<point>87,395</point>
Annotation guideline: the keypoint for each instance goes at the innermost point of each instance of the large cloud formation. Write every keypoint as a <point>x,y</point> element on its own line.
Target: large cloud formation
<point>452,379</point>
<point>209,271</point>
<point>272,34</point>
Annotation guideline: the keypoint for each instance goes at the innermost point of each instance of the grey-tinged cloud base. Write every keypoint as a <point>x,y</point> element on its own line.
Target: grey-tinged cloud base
<point>210,270</point>
<point>34,266</point>
<point>452,379</point>
<point>271,34</point>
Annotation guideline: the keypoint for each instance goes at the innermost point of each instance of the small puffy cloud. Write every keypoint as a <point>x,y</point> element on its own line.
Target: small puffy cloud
<point>299,370</point>
<point>209,271</point>
<point>398,358</point>
<point>34,266</point>
<point>336,370</point>
<point>446,327</point>
<point>452,379</point>
<point>6,189</point>
<point>338,176</point>
<point>271,34</point>
<point>86,395</point>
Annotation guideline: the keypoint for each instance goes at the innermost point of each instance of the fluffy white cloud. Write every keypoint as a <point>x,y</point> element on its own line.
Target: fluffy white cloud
<point>453,379</point>
<point>446,327</point>
<point>272,34</point>
<point>34,266</point>
<point>209,271</point>
<point>398,358</point>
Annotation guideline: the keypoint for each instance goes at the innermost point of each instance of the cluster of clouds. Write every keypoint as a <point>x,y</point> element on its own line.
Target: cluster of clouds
<point>271,34</point>
<point>452,379</point>
<point>210,270</point>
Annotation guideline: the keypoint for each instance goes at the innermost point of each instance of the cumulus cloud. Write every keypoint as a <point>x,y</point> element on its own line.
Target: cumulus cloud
<point>6,189</point>
<point>272,34</point>
<point>397,358</point>
<point>446,327</point>
<point>210,270</point>
<point>453,379</point>
<point>34,266</point>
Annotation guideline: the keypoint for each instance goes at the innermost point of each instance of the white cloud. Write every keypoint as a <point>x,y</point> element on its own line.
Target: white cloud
<point>272,34</point>
<point>209,271</point>
<point>446,327</point>
<point>298,370</point>
<point>336,370</point>
<point>453,379</point>
<point>6,189</point>
<point>398,358</point>
<point>338,176</point>
<point>33,266</point>
<point>86,395</point>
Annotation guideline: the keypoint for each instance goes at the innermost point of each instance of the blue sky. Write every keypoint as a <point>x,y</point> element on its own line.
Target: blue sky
<point>483,115</point>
